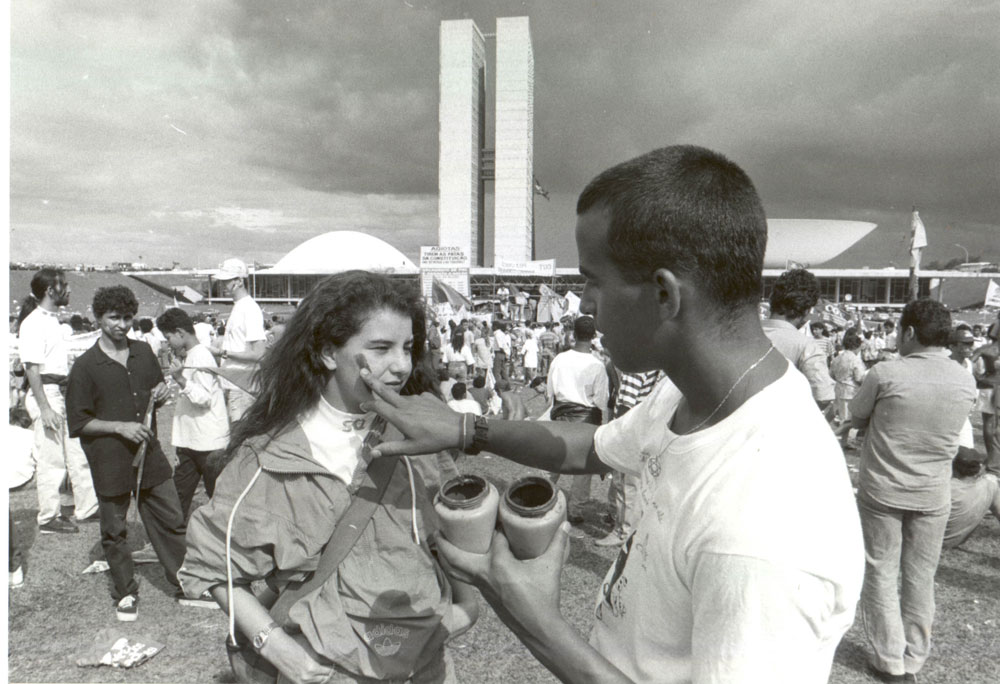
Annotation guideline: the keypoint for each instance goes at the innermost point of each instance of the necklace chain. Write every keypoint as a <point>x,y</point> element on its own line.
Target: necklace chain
<point>731,389</point>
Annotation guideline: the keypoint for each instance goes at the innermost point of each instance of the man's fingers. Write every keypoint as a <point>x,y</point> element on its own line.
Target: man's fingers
<point>403,448</point>
<point>459,564</point>
<point>380,391</point>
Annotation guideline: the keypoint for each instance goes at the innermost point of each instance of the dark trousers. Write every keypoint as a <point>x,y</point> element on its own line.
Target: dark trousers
<point>161,515</point>
<point>500,366</point>
<point>192,466</point>
<point>14,556</point>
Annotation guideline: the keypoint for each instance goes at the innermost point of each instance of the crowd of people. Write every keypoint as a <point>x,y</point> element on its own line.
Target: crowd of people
<point>322,440</point>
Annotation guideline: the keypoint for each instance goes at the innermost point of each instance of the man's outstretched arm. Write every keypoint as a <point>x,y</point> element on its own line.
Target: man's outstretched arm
<point>429,426</point>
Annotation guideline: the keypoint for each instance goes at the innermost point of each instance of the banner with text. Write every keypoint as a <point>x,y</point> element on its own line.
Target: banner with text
<point>449,265</point>
<point>542,267</point>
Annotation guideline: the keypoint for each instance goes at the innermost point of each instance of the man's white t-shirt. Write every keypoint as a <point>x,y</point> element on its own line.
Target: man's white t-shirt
<point>201,421</point>
<point>747,562</point>
<point>41,341</point>
<point>580,378</point>
<point>245,325</point>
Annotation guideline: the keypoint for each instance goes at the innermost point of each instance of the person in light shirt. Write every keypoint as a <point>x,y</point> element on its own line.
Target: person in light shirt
<point>245,340</point>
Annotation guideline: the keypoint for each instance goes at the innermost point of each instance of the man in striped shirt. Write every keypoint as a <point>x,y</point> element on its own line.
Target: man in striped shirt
<point>622,494</point>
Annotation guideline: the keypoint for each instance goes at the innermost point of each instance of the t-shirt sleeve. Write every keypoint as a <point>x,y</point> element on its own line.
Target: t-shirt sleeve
<point>255,327</point>
<point>31,344</point>
<point>863,403</point>
<point>618,443</point>
<point>756,621</point>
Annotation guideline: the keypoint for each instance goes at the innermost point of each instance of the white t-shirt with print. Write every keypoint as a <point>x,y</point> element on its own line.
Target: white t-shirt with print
<point>747,562</point>
<point>245,325</point>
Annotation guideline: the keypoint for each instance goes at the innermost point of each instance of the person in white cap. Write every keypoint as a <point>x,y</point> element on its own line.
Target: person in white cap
<point>245,339</point>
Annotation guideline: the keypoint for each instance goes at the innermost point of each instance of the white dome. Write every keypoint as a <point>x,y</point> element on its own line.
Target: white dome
<point>342,250</point>
<point>810,241</point>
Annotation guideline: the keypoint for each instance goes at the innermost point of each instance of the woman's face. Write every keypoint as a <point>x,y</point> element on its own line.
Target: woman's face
<point>385,342</point>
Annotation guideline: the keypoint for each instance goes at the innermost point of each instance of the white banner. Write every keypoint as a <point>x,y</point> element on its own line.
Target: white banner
<point>992,294</point>
<point>542,267</point>
<point>443,257</point>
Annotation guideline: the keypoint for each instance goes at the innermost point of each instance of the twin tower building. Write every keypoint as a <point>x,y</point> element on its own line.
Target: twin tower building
<point>466,161</point>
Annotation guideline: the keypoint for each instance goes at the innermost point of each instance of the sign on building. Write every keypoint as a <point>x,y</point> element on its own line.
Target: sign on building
<point>450,265</point>
<point>540,267</point>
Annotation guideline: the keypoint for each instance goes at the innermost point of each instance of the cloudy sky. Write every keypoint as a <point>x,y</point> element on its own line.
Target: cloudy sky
<point>194,130</point>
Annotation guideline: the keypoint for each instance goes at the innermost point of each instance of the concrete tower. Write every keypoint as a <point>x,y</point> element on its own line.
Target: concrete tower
<point>463,148</point>
<point>461,137</point>
<point>513,185</point>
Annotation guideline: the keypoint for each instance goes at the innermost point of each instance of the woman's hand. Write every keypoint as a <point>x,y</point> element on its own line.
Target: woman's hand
<point>295,662</point>
<point>426,422</point>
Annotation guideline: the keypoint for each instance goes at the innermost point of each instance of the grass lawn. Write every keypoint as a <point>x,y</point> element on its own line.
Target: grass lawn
<point>58,611</point>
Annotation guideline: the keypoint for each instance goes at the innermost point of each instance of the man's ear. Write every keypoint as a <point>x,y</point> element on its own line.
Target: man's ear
<point>328,358</point>
<point>668,293</point>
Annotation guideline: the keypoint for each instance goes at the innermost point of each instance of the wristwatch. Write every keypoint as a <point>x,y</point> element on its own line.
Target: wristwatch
<point>479,435</point>
<point>260,638</point>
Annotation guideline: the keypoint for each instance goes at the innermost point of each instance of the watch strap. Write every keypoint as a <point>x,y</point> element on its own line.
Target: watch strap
<point>480,433</point>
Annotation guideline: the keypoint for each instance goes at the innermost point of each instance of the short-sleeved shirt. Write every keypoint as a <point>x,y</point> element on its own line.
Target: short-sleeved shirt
<point>804,353</point>
<point>41,341</point>
<point>971,498</point>
<point>101,388</point>
<point>747,561</point>
<point>916,407</point>
<point>245,325</point>
<point>579,378</point>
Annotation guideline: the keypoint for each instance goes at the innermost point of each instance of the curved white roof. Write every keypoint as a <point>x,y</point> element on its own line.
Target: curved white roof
<point>342,250</point>
<point>810,241</point>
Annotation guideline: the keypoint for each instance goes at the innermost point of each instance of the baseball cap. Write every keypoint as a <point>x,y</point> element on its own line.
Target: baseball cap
<point>961,336</point>
<point>231,268</point>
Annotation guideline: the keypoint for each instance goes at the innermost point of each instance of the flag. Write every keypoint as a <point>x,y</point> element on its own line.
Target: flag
<point>918,239</point>
<point>992,294</point>
<point>539,190</point>
<point>442,292</point>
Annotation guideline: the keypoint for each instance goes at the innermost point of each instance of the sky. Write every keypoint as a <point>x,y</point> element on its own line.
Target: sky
<point>196,130</point>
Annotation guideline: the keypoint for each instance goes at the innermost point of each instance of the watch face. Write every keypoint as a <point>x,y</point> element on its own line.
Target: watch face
<point>258,641</point>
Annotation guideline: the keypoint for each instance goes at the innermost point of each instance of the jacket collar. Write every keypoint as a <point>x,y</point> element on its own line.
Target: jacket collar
<point>286,452</point>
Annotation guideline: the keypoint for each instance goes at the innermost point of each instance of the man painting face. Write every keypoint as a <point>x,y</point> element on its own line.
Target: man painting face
<point>626,313</point>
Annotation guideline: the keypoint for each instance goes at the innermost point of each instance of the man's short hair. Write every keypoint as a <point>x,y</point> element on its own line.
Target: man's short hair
<point>146,325</point>
<point>930,319</point>
<point>174,320</point>
<point>852,341</point>
<point>794,293</point>
<point>479,381</point>
<point>537,380</point>
<point>584,328</point>
<point>115,299</point>
<point>968,462</point>
<point>458,390</point>
<point>686,209</point>
<point>888,325</point>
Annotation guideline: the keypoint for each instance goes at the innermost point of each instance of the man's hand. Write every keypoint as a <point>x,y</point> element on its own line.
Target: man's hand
<point>160,393</point>
<point>50,419</point>
<point>426,422</point>
<point>134,432</point>
<point>525,594</point>
<point>176,367</point>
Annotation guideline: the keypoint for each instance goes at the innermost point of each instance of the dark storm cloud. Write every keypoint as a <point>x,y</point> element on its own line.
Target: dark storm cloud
<point>284,119</point>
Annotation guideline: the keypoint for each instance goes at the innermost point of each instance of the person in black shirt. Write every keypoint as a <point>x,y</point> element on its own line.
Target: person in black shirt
<point>110,387</point>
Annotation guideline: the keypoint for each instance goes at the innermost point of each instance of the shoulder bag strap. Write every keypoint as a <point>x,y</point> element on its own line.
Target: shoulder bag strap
<point>348,530</point>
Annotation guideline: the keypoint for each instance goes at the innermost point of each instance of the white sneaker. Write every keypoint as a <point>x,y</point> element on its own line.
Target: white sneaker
<point>15,578</point>
<point>128,609</point>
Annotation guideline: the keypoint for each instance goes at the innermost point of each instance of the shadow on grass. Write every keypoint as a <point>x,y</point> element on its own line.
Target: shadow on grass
<point>965,580</point>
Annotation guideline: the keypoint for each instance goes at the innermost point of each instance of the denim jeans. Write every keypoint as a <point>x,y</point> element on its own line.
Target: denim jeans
<point>897,541</point>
